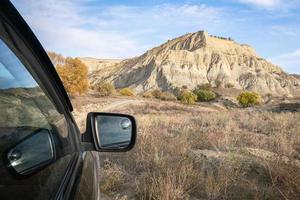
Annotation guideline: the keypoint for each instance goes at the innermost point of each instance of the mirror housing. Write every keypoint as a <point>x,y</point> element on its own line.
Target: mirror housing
<point>110,132</point>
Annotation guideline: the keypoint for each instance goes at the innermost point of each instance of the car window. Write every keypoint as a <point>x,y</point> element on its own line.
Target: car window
<point>35,143</point>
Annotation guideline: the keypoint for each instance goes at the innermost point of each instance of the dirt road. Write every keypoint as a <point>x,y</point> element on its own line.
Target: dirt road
<point>81,113</point>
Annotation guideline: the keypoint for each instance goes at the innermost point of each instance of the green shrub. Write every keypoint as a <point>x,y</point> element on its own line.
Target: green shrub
<point>105,89</point>
<point>187,97</point>
<point>204,92</point>
<point>126,92</point>
<point>205,86</point>
<point>247,99</point>
<point>205,95</point>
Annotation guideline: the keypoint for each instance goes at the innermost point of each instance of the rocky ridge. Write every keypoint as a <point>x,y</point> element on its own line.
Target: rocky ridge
<point>198,58</point>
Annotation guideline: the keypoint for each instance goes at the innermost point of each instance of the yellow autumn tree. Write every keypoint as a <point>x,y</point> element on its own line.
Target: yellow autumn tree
<point>73,74</point>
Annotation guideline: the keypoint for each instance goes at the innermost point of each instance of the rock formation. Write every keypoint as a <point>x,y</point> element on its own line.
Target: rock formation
<point>198,58</point>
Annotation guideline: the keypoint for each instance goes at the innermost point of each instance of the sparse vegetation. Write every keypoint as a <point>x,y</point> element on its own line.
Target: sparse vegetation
<point>205,92</point>
<point>105,89</point>
<point>205,95</point>
<point>205,86</point>
<point>73,74</point>
<point>165,164</point>
<point>206,152</point>
<point>222,38</point>
<point>114,176</point>
<point>248,99</point>
<point>127,92</point>
<point>187,97</point>
<point>147,94</point>
<point>166,96</point>
<point>156,93</point>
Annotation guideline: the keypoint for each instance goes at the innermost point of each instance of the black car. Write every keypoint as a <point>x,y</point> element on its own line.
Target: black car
<point>43,154</point>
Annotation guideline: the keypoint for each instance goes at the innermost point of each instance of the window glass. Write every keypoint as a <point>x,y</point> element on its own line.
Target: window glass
<point>28,117</point>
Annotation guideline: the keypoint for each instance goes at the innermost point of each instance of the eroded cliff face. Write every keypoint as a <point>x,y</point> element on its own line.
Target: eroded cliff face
<point>197,58</point>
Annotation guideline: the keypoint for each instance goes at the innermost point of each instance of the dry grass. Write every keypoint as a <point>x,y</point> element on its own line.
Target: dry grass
<point>161,167</point>
<point>114,177</point>
<point>285,179</point>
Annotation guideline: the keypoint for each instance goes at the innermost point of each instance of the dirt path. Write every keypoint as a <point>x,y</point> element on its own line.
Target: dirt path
<point>121,103</point>
<point>91,104</point>
<point>80,114</point>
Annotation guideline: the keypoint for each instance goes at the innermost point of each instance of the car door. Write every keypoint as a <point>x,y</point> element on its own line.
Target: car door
<point>41,156</point>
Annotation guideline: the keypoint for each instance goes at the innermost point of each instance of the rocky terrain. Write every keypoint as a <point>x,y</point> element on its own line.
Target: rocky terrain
<point>193,59</point>
<point>101,68</point>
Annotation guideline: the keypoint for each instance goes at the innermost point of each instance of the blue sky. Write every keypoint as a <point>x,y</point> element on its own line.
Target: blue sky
<point>122,28</point>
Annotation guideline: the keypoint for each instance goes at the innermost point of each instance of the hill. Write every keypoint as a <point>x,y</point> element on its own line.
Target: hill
<point>193,59</point>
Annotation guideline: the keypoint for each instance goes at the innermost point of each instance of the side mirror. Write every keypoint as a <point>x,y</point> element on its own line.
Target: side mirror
<point>30,154</point>
<point>111,132</point>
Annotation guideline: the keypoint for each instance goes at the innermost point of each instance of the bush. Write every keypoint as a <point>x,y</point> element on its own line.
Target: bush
<point>187,97</point>
<point>166,96</point>
<point>73,74</point>
<point>156,94</point>
<point>126,92</point>
<point>204,92</point>
<point>205,86</point>
<point>247,99</point>
<point>147,94</point>
<point>105,89</point>
<point>205,95</point>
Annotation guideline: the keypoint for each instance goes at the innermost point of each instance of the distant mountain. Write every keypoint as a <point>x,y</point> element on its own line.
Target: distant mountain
<point>193,59</point>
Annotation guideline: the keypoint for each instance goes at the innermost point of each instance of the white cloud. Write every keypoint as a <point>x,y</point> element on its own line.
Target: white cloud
<point>60,26</point>
<point>73,28</point>
<point>289,61</point>
<point>282,7</point>
<point>285,30</point>
<point>263,3</point>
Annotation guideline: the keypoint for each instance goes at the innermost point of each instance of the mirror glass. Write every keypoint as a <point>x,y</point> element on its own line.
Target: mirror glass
<point>114,132</point>
<point>33,152</point>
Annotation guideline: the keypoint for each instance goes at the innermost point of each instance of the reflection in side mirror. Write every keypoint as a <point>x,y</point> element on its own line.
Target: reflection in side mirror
<point>33,152</point>
<point>112,132</point>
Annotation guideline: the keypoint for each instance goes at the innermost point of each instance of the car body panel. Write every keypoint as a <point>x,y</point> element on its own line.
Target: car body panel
<point>89,177</point>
